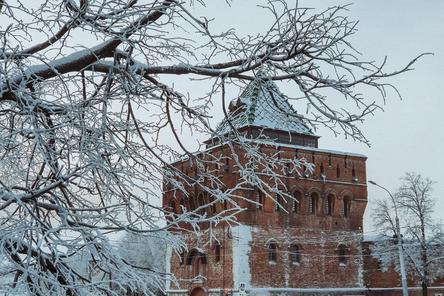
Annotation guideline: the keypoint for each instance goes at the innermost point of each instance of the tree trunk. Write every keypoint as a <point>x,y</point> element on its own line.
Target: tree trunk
<point>424,288</point>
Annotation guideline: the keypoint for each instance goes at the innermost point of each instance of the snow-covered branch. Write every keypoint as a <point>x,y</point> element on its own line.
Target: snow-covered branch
<point>91,125</point>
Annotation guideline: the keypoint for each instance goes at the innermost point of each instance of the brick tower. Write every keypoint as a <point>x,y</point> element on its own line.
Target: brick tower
<point>309,241</point>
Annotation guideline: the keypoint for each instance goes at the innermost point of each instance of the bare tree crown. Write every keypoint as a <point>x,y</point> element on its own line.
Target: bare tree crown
<point>84,102</point>
<point>422,236</point>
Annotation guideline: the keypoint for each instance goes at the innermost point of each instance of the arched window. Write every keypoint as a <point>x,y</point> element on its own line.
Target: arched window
<point>329,204</point>
<point>305,171</point>
<point>217,249</point>
<point>217,166</point>
<point>297,199</point>
<point>346,206</point>
<point>173,207</point>
<point>182,257</point>
<point>227,165</point>
<point>314,197</point>
<point>193,204</point>
<point>354,178</point>
<point>287,169</point>
<point>201,203</point>
<point>214,208</point>
<point>272,251</point>
<point>259,199</point>
<point>295,254</point>
<point>342,254</point>
<point>183,206</point>
<point>198,261</point>
<point>278,202</point>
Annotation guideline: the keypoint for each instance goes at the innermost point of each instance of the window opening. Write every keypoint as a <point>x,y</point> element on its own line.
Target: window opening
<point>278,202</point>
<point>259,199</point>
<point>330,204</point>
<point>173,207</point>
<point>272,252</point>
<point>346,208</point>
<point>217,252</point>
<point>295,255</point>
<point>296,202</point>
<point>342,255</point>
<point>227,165</point>
<point>313,203</point>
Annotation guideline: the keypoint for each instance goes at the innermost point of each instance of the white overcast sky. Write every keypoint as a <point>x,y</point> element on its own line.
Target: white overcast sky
<point>408,135</point>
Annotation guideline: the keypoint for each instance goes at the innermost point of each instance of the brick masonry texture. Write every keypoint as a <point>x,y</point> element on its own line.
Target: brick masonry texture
<point>317,235</point>
<point>338,177</point>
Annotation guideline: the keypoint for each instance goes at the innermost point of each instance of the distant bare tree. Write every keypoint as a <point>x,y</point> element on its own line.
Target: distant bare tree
<point>422,236</point>
<point>416,198</point>
<point>85,106</point>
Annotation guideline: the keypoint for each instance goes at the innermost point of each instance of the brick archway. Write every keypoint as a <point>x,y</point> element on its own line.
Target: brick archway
<point>198,291</point>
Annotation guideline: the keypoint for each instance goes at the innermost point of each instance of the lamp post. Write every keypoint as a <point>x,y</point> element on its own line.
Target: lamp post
<point>405,291</point>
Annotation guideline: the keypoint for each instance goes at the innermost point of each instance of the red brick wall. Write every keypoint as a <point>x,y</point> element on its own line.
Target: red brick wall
<point>319,265</point>
<point>218,274</point>
<point>376,276</point>
<point>318,235</point>
<point>339,187</point>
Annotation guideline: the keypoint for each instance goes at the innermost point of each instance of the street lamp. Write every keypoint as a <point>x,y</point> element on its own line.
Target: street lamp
<point>405,291</point>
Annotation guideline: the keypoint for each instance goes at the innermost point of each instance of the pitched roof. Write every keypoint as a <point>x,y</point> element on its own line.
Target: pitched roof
<point>261,104</point>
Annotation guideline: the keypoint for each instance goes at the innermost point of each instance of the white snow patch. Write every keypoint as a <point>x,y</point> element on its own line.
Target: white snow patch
<point>374,237</point>
<point>360,281</point>
<point>169,254</point>
<point>242,238</point>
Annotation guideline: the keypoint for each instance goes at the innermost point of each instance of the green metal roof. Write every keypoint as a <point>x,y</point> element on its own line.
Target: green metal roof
<point>261,104</point>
